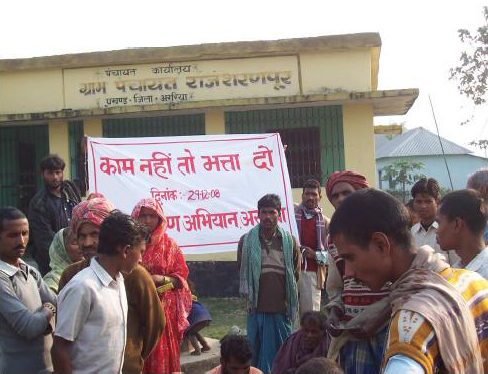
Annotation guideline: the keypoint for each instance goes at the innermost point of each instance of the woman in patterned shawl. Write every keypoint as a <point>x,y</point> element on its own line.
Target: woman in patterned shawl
<point>164,261</point>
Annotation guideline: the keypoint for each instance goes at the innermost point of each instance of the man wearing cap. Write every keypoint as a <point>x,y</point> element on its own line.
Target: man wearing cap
<point>145,317</point>
<point>357,317</point>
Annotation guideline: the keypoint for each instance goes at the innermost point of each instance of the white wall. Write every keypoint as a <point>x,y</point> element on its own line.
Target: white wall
<point>460,166</point>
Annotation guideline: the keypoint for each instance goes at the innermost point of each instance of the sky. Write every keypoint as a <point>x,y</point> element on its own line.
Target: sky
<point>419,39</point>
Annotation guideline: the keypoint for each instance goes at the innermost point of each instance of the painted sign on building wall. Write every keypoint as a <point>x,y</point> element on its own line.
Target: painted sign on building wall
<point>166,83</point>
<point>208,185</point>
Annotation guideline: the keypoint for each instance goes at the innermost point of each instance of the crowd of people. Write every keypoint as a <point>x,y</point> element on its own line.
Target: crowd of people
<point>86,288</point>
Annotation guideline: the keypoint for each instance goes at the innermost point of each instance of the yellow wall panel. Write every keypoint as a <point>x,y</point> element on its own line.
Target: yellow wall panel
<point>332,72</point>
<point>359,153</point>
<point>31,91</point>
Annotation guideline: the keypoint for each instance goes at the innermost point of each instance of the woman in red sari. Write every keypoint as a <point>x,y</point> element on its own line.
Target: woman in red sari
<point>164,261</point>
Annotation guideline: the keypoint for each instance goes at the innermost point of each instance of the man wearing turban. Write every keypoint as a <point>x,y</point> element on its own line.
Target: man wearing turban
<point>86,220</point>
<point>357,317</point>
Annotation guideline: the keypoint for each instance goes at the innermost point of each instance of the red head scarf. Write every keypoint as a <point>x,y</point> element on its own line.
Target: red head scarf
<point>356,180</point>
<point>152,204</point>
<point>93,211</point>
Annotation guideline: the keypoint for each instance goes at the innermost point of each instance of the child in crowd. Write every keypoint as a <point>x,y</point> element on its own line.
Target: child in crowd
<point>198,319</point>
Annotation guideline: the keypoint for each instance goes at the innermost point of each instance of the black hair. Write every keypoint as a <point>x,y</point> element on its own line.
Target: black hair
<point>367,211</point>
<point>10,213</point>
<point>319,365</point>
<point>52,162</point>
<point>270,200</point>
<point>312,183</point>
<point>236,346</point>
<point>316,317</point>
<point>467,205</point>
<point>119,229</point>
<point>426,186</point>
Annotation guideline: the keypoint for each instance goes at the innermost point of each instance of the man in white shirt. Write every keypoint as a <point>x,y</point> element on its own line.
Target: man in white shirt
<point>462,218</point>
<point>426,194</point>
<point>91,330</point>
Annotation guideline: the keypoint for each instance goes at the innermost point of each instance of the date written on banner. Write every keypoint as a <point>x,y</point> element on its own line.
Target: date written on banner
<point>194,195</point>
<point>190,195</point>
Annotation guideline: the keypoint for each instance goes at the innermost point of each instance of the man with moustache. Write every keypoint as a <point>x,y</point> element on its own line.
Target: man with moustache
<point>145,317</point>
<point>87,219</point>
<point>312,228</point>
<point>26,302</point>
<point>50,209</point>
<point>357,316</point>
<point>268,259</point>
<point>438,320</point>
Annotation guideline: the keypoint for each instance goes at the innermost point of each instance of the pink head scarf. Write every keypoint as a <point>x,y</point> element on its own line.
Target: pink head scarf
<point>93,211</point>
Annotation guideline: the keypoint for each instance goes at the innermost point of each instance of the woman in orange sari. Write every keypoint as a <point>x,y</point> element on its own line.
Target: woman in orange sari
<point>164,261</point>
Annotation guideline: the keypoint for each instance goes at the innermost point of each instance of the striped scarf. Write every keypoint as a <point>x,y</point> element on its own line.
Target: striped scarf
<point>308,214</point>
<point>250,271</point>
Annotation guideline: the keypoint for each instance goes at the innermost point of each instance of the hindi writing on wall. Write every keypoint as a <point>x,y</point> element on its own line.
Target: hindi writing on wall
<point>171,83</point>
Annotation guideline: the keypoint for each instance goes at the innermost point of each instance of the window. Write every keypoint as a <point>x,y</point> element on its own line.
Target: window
<point>302,153</point>
<point>77,156</point>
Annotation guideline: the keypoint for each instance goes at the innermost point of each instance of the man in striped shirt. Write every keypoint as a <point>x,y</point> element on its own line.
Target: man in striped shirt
<point>359,348</point>
<point>439,318</point>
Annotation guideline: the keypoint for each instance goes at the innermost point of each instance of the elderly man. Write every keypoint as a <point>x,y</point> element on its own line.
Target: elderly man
<point>26,302</point>
<point>312,228</point>
<point>268,259</point>
<point>439,320</point>
<point>145,318</point>
<point>357,315</point>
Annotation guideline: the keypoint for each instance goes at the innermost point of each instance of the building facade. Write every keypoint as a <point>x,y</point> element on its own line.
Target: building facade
<point>319,93</point>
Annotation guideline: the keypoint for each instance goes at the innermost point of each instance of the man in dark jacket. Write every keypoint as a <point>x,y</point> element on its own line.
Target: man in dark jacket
<point>50,209</point>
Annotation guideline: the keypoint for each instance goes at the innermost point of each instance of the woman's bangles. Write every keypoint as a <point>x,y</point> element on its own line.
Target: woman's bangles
<point>166,286</point>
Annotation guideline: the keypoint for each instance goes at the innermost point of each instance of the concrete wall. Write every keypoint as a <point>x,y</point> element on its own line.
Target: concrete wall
<point>52,90</point>
<point>342,71</point>
<point>460,166</point>
<point>31,91</point>
<point>359,152</point>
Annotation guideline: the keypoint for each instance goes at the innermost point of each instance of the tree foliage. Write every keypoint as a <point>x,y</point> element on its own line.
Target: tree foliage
<point>402,173</point>
<point>472,73</point>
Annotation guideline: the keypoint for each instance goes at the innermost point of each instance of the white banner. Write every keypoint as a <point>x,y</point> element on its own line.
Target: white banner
<point>208,185</point>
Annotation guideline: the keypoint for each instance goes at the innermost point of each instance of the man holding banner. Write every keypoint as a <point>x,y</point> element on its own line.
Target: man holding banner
<point>268,260</point>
